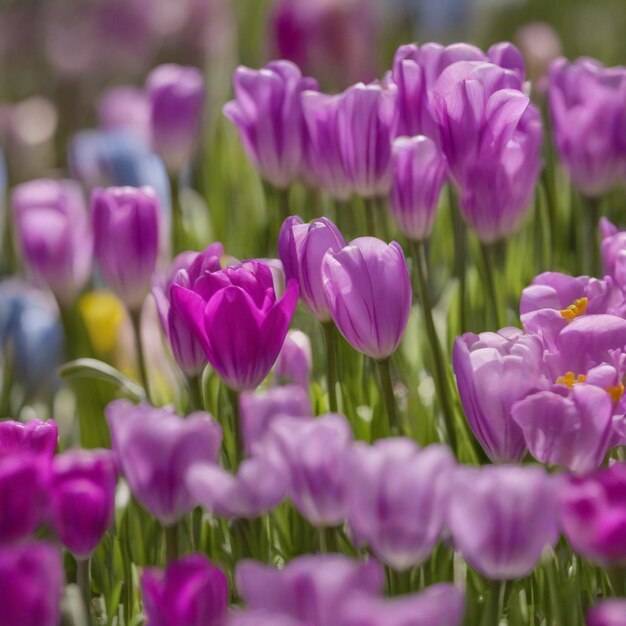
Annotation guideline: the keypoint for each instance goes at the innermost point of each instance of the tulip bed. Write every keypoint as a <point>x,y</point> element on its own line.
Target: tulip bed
<point>322,359</point>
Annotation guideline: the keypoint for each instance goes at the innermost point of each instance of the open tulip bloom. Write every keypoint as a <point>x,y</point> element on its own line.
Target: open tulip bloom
<point>310,341</point>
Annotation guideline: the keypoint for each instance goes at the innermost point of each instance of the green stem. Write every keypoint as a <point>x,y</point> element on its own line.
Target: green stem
<point>460,257</point>
<point>178,223</point>
<point>237,452</point>
<point>370,216</point>
<point>390,401</point>
<point>592,209</point>
<point>440,373</point>
<point>83,580</point>
<point>171,543</point>
<point>494,603</point>
<point>194,385</point>
<point>7,380</point>
<point>135,317</point>
<point>617,577</point>
<point>283,205</point>
<point>331,364</point>
<point>490,280</point>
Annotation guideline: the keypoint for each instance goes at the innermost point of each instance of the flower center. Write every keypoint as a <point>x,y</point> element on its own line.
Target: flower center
<point>615,392</point>
<point>574,310</point>
<point>570,379</point>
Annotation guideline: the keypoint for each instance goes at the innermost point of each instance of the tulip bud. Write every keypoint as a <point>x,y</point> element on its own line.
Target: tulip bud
<point>176,96</point>
<point>54,235</point>
<point>419,169</point>
<point>34,437</point>
<point>610,612</point>
<point>126,108</point>
<point>190,592</point>
<point>83,498</point>
<point>295,360</point>
<point>126,232</point>
<point>31,583</point>
<point>368,291</point>
<point>155,448</point>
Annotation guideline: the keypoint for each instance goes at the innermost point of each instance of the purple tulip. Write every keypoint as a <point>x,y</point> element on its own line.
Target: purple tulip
<point>176,98</point>
<point>267,111</point>
<point>31,584</point>
<point>260,410</point>
<point>126,107</point>
<point>610,612</point>
<point>126,232</point>
<point>333,40</point>
<point>416,69</point>
<point>242,353</point>
<point>155,448</point>
<point>24,484</point>
<point>588,120</point>
<point>502,518</point>
<point>258,487</point>
<point>593,515</point>
<point>35,437</point>
<point>310,589</point>
<point>398,499</point>
<point>438,605</point>
<point>324,160</point>
<point>491,137</point>
<point>295,360</point>
<point>83,498</point>
<point>571,428</point>
<point>613,249</point>
<point>190,592</point>
<point>313,454</point>
<point>261,618</point>
<point>53,230</point>
<point>419,169</point>
<point>186,269</point>
<point>493,371</point>
<point>554,300</point>
<point>368,290</point>
<point>302,248</point>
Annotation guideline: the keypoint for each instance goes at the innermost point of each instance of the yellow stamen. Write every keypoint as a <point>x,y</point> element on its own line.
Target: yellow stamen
<point>570,379</point>
<point>615,392</point>
<point>574,310</point>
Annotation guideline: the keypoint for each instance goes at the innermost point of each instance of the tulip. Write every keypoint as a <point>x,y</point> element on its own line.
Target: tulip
<point>176,97</point>
<point>416,69</point>
<point>492,147</point>
<point>502,518</point>
<point>155,448</point>
<point>493,371</point>
<point>593,515</point>
<point>268,114</point>
<point>613,249</point>
<point>126,107</point>
<point>53,231</point>
<point>31,584</point>
<point>242,353</point>
<point>313,454</point>
<point>570,428</point>
<point>260,410</point>
<point>258,487</point>
<point>587,111</point>
<point>295,360</point>
<point>302,248</point>
<point>24,482</point>
<point>301,589</point>
<point>260,618</point>
<point>418,172</point>
<point>83,498</point>
<point>438,605</point>
<point>398,499</point>
<point>190,592</point>
<point>368,291</point>
<point>186,269</point>
<point>324,160</point>
<point>334,40</point>
<point>126,231</point>
<point>540,44</point>
<point>610,612</point>
<point>35,437</point>
<point>29,321</point>
<point>554,300</point>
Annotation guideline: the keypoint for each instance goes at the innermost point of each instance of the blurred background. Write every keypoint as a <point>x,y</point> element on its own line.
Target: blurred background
<point>57,57</point>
